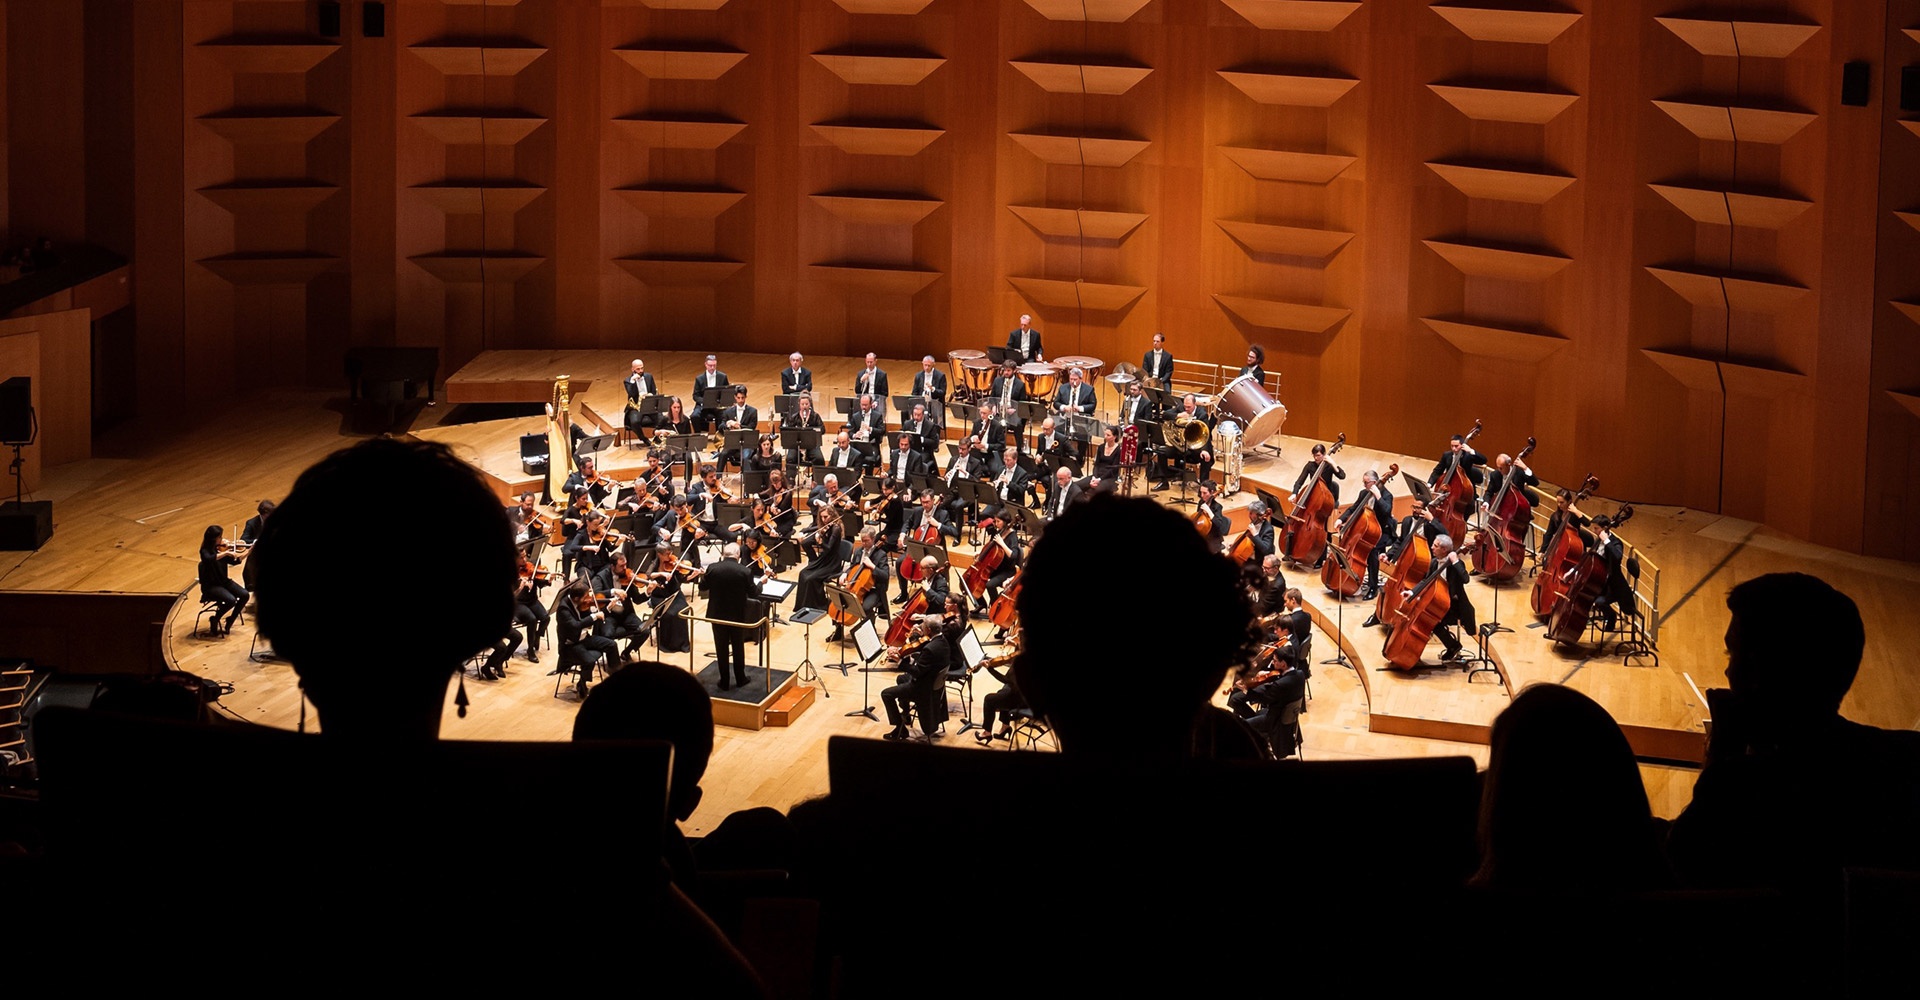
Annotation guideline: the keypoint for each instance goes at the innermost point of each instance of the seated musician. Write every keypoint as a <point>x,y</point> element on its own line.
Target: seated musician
<point>779,500</point>
<point>529,608</point>
<point>1057,446</point>
<point>1138,405</point>
<point>639,385</point>
<point>924,662</point>
<point>709,378</point>
<point>1417,524</point>
<point>1007,389</point>
<point>216,587</point>
<point>1374,493</point>
<point>843,455</point>
<point>1007,537</point>
<point>675,424</point>
<point>572,523</point>
<point>587,477</point>
<point>1190,410</point>
<point>1010,481</point>
<point>703,497</point>
<point>1256,356</point>
<point>1604,545</point>
<point>666,575</point>
<point>907,461</point>
<point>866,427</point>
<point>1023,343</point>
<point>998,425</point>
<point>803,417</point>
<point>970,462</point>
<point>766,456</point>
<point>1260,529</point>
<point>620,618</point>
<point>926,522</point>
<point>1446,562</point>
<point>867,554</point>
<point>738,417</point>
<point>527,521</point>
<point>1156,365</point>
<point>591,550</point>
<point>1333,473</point>
<point>1217,523</point>
<point>652,490</point>
<point>1076,396</point>
<point>580,647</point>
<point>679,530</point>
<point>1001,704</point>
<point>1106,461</point>
<point>1282,696</point>
<point>924,426</point>
<point>828,501</point>
<point>250,532</point>
<point>1063,493</point>
<point>890,507</point>
<point>1460,452</point>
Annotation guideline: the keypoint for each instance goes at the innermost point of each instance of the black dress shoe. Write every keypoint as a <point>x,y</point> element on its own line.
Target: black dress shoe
<point>1371,621</point>
<point>1159,486</point>
<point>724,686</point>
<point>1451,654</point>
<point>902,599</point>
<point>1366,594</point>
<point>895,733</point>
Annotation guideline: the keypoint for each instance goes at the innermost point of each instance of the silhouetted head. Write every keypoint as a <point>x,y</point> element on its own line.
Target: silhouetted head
<point>652,701</point>
<point>1079,573</point>
<point>374,652</point>
<point>1563,807</point>
<point>1782,684</point>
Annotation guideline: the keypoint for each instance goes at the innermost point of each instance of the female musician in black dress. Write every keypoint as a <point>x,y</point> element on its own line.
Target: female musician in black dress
<point>1106,460</point>
<point>766,457</point>
<point>215,556</point>
<point>676,422</point>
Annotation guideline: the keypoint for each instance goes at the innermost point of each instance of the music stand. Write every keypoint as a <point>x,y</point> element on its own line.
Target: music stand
<point>716,397</point>
<point>593,446</point>
<point>655,405</point>
<point>870,485</point>
<point>920,483</point>
<point>753,481</point>
<point>848,479</point>
<point>800,439</point>
<point>688,445</point>
<point>918,550</point>
<point>972,654</point>
<point>997,355</point>
<point>870,646</point>
<point>783,405</point>
<point>805,617</point>
<point>1417,490</point>
<point>1031,522</point>
<point>963,412</point>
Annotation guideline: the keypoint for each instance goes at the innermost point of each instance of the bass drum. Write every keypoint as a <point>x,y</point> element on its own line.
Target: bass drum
<point>1226,454</point>
<point>1246,401</point>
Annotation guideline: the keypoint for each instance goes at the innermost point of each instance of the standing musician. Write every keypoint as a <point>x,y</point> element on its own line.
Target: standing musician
<point>1458,450</point>
<point>638,384</point>
<point>1373,493</point>
<point>1157,364</point>
<point>624,588</point>
<point>1460,611</point>
<point>1503,466</point>
<point>907,461</point>
<point>738,417</point>
<point>1053,444</point>
<point>924,428</point>
<point>1010,481</point>
<point>711,378</point>
<point>1023,343</point>
<point>1008,389</point>
<point>867,428</point>
<point>1106,460</point>
<point>925,669</point>
<point>676,422</point>
<point>795,378</point>
<point>1309,470</point>
<point>930,384</point>
<point>1190,409</point>
<point>580,647</point>
<point>216,554</point>
<point>1209,505</point>
<point>1604,545</point>
<point>872,381</point>
<point>671,633</point>
<point>823,547</point>
<point>1076,396</point>
<point>1260,529</point>
<point>1418,523</point>
<point>1137,406</point>
<point>804,417</point>
<point>1064,492</point>
<point>1256,356</point>
<point>679,531</point>
<point>529,611</point>
<point>588,478</point>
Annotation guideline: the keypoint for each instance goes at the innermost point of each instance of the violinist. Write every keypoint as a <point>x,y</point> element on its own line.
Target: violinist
<point>828,502</point>
<point>1446,562</point>
<point>843,455</point>
<point>1190,410</point>
<point>1002,703</point>
<point>651,491</point>
<point>216,554</point>
<point>1312,468</point>
<point>892,510</point>
<point>1287,630</point>
<point>580,646</point>
<point>866,427</point>
<point>1604,545</point>
<point>825,546</point>
<point>1054,445</point>
<point>779,503</point>
<point>529,611</point>
<point>1256,356</point>
<point>924,665</point>
<point>639,384</point>
<point>738,417</point>
<point>592,550</point>
<point>1064,492</point>
<point>1156,366</point>
<point>670,632</point>
<point>579,511</point>
<point>524,518</point>
<point>702,496</point>
<point>907,461</point>
<point>678,424</point>
<point>1011,481</point>
<point>623,589</point>
<point>1106,460</point>
<point>804,418</point>
<point>1373,493</point>
<point>1460,452</point>
<point>587,478</point>
<point>678,528</point>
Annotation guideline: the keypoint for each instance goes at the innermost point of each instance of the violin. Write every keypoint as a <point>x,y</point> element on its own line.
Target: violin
<point>1306,540</point>
<point>1501,547</point>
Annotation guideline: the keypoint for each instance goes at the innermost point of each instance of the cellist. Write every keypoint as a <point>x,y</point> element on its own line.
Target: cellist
<point>1260,529</point>
<point>926,523</point>
<point>1446,563</point>
<point>1216,515</point>
<point>866,555</point>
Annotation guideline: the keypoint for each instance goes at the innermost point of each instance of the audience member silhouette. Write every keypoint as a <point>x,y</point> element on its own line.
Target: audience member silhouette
<point>374,654</point>
<point>1563,808</point>
<point>1792,792</point>
<point>1076,575</point>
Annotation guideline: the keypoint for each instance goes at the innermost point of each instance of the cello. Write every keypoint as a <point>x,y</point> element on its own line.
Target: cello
<point>1501,546</point>
<point>926,533</point>
<point>908,614</point>
<point>857,580</point>
<point>1344,573</point>
<point>989,559</point>
<point>1306,540</point>
<point>1420,613</point>
<point>1560,552</point>
<point>1453,514</point>
<point>1002,612</point>
<point>1586,586</point>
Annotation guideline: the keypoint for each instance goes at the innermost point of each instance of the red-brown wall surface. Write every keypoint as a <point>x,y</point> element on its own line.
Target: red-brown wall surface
<point>1650,236</point>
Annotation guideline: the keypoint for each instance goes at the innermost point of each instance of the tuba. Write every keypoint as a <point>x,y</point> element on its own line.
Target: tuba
<point>1185,431</point>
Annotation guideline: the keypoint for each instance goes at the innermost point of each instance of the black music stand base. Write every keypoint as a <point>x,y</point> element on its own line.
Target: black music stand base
<point>1339,632</point>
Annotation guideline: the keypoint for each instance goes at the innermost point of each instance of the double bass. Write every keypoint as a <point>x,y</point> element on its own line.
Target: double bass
<point>1560,553</point>
<point>1408,568</point>
<point>1453,514</point>
<point>1347,570</point>
<point>1420,614</point>
<point>1501,547</point>
<point>1586,586</point>
<point>1306,538</point>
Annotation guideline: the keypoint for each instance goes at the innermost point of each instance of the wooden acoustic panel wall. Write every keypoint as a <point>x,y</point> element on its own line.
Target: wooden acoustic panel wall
<point>1638,229</point>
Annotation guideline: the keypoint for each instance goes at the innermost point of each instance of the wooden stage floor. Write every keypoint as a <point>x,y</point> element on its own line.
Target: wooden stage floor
<point>130,521</point>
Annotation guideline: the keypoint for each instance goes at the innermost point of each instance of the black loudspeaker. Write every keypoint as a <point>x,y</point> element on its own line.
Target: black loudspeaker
<point>329,18</point>
<point>1854,78</point>
<point>25,526</point>
<point>16,410</point>
<point>373,19</point>
<point>1910,88</point>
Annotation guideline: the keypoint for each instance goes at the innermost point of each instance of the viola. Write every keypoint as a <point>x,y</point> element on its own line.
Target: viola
<point>1419,615</point>
<point>908,614</point>
<point>1346,566</point>
<point>1501,547</point>
<point>1453,514</point>
<point>1306,540</point>
<point>1560,552</point>
<point>1584,589</point>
